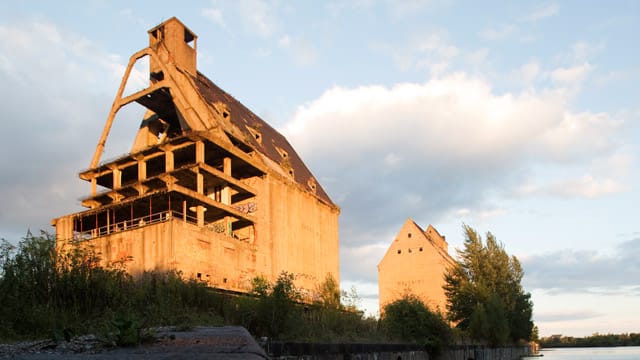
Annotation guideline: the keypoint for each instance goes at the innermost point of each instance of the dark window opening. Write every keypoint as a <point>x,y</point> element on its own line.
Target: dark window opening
<point>224,280</point>
<point>158,33</point>
<point>409,235</point>
<point>420,248</point>
<point>399,251</point>
<point>199,276</point>
<point>189,38</point>
<point>157,76</point>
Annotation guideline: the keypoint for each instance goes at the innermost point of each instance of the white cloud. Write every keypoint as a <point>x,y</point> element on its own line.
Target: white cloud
<point>581,51</point>
<point>527,74</point>
<point>436,119</point>
<point>423,150</point>
<point>368,258</point>
<point>215,15</point>
<point>57,87</point>
<point>303,52</point>
<point>429,51</point>
<point>605,176</point>
<point>571,76</point>
<point>411,7</point>
<point>498,32</point>
<point>284,42</point>
<point>258,16</point>
<point>584,271</point>
<point>543,12</point>
<point>586,186</point>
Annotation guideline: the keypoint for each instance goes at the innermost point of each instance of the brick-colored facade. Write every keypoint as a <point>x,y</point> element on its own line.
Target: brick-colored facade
<point>209,188</point>
<point>415,264</point>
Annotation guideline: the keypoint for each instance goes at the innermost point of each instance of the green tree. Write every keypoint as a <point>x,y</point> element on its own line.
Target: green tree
<point>276,304</point>
<point>485,297</point>
<point>328,293</point>
<point>409,319</point>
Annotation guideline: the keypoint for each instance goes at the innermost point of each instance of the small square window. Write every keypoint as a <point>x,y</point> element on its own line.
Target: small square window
<point>399,251</point>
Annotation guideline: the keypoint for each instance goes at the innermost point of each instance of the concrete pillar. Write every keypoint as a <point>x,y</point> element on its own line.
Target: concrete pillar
<point>168,161</point>
<point>226,191</point>
<point>226,194</point>
<point>199,183</point>
<point>226,166</point>
<point>142,170</point>
<point>200,214</point>
<point>117,178</point>
<point>94,186</point>
<point>199,152</point>
<point>108,222</point>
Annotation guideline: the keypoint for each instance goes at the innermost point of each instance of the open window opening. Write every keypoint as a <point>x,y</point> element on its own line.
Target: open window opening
<point>255,134</point>
<point>158,34</point>
<point>189,39</point>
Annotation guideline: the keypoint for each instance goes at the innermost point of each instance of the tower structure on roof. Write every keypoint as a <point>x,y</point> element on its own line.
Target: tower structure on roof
<point>415,264</point>
<point>208,188</point>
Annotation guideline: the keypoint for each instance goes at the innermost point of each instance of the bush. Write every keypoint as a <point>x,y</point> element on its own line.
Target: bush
<point>410,320</point>
<point>46,293</point>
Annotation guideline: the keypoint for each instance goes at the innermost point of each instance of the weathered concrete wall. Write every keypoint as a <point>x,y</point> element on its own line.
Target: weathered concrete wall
<point>294,232</point>
<point>303,233</point>
<point>140,249</point>
<point>221,261</point>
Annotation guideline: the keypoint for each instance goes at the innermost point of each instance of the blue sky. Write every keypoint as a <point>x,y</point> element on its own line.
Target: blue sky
<point>518,118</point>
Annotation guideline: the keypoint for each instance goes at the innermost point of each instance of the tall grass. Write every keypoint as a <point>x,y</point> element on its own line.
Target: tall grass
<point>48,293</point>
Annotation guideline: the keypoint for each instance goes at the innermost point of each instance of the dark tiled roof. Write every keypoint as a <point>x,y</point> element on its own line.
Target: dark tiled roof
<point>272,144</point>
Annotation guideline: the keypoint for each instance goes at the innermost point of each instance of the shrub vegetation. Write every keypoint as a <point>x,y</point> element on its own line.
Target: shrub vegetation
<point>46,293</point>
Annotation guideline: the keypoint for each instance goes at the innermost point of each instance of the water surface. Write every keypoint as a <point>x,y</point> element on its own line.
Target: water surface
<point>597,353</point>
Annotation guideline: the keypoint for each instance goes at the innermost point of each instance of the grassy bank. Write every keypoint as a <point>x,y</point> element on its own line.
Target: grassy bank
<point>46,294</point>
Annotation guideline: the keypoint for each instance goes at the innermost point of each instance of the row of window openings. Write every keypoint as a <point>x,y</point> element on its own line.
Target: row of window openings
<point>199,276</point>
<point>400,251</point>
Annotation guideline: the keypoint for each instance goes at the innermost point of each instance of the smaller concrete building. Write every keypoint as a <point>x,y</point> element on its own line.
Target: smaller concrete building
<point>415,264</point>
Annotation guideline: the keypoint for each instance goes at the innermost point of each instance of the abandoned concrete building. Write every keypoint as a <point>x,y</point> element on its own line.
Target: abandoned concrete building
<point>208,188</point>
<point>415,264</point>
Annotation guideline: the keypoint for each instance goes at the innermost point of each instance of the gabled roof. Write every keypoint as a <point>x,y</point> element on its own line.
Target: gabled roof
<point>271,143</point>
<point>422,236</point>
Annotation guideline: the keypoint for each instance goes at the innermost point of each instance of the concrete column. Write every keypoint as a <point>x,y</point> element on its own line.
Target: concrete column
<point>168,161</point>
<point>200,214</point>
<point>226,191</point>
<point>199,152</point>
<point>226,166</point>
<point>199,183</point>
<point>108,222</point>
<point>142,170</point>
<point>94,186</point>
<point>117,178</point>
<point>226,194</point>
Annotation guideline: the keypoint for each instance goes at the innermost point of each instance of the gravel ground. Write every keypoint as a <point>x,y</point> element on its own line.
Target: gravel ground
<point>228,342</point>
